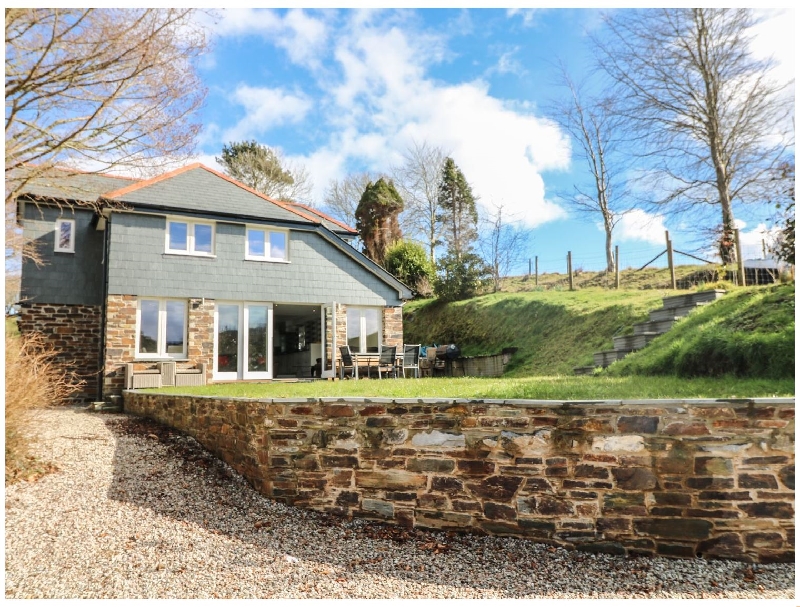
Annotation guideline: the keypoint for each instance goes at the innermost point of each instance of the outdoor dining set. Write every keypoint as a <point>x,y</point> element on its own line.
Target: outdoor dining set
<point>392,361</point>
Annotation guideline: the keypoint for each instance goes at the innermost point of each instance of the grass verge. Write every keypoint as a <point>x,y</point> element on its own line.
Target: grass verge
<point>535,388</point>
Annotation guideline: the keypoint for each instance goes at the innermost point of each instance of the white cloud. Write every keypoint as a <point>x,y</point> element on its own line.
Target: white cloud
<point>265,109</point>
<point>754,241</point>
<point>378,98</point>
<point>385,101</point>
<point>642,226</point>
<point>774,38</point>
<point>528,15</point>
<point>302,36</point>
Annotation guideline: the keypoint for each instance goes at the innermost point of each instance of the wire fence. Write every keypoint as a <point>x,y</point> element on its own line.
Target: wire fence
<point>690,267</point>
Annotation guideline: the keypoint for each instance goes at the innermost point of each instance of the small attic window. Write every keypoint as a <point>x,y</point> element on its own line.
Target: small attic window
<point>65,236</point>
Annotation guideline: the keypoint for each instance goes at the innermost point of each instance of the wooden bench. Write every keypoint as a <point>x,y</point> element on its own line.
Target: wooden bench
<point>161,374</point>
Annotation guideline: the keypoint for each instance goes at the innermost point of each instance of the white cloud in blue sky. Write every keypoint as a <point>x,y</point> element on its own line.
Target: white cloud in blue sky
<point>367,76</point>
<point>341,91</point>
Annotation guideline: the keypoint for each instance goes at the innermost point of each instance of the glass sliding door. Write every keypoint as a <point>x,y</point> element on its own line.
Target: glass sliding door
<point>258,345</point>
<point>226,341</point>
<point>243,341</point>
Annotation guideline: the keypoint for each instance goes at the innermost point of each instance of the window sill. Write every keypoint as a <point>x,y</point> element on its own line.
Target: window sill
<point>160,359</point>
<point>72,252</point>
<point>266,260</point>
<point>184,254</point>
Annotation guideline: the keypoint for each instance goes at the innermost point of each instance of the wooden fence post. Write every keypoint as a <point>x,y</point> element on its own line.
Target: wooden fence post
<point>739,259</point>
<point>569,270</point>
<point>670,262</point>
<point>536,283</point>
<point>616,267</point>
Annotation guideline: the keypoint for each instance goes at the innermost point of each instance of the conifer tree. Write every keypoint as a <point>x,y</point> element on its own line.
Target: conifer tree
<point>459,216</point>
<point>376,219</point>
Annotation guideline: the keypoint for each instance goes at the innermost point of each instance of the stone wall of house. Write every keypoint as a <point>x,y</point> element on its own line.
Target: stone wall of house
<point>674,478</point>
<point>393,327</point>
<point>75,331</point>
<point>121,338</point>
<point>201,334</point>
<point>120,341</point>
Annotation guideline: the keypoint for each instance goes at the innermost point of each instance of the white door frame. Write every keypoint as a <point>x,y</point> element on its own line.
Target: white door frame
<point>242,354</point>
<point>244,335</point>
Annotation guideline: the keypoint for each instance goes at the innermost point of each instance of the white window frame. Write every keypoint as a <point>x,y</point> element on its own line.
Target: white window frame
<point>267,247</point>
<point>190,240</point>
<point>70,248</point>
<point>362,329</point>
<point>161,337</point>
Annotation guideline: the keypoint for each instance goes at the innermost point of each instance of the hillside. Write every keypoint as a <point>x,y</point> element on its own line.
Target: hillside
<point>747,333</point>
<point>557,330</point>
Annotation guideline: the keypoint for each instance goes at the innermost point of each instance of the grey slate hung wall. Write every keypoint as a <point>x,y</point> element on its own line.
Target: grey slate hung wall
<point>317,271</point>
<point>63,278</point>
<point>61,299</point>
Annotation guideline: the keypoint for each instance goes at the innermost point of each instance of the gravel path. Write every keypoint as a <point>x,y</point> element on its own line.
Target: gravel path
<point>136,511</point>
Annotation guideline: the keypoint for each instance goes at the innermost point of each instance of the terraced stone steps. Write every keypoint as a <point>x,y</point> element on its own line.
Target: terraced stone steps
<point>660,321</point>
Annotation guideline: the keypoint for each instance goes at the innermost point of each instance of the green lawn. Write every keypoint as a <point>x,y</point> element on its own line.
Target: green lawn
<point>542,388</point>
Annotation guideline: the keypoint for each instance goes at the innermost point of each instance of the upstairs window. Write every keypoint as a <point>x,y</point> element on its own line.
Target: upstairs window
<point>161,325</point>
<point>190,237</point>
<point>266,245</point>
<point>65,236</point>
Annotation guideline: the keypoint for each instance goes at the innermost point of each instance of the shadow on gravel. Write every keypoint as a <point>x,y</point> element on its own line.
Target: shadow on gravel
<point>195,487</point>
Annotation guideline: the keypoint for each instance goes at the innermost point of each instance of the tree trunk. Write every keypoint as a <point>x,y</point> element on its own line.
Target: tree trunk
<point>609,249</point>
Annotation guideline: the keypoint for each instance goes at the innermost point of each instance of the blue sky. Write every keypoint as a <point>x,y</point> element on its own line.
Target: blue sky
<point>341,91</point>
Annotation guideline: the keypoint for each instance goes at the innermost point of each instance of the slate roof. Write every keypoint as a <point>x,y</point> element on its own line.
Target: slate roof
<point>72,185</point>
<point>198,188</point>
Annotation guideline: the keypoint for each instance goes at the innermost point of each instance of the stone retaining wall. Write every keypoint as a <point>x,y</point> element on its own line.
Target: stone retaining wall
<point>673,478</point>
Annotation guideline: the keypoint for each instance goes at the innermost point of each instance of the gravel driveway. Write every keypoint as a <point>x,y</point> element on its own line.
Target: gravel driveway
<point>137,511</point>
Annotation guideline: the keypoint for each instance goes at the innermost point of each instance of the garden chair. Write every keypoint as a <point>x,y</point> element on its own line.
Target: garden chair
<point>346,363</point>
<point>411,359</point>
<point>387,361</point>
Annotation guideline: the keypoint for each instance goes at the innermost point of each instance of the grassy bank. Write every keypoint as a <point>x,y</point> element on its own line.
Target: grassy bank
<point>554,331</point>
<point>747,333</point>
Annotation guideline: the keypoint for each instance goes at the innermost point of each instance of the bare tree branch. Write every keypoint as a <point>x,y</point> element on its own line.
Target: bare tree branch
<point>100,88</point>
<point>417,180</point>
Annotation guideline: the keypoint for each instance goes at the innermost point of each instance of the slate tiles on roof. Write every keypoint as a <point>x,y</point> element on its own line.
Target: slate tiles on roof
<point>68,184</point>
<point>200,189</point>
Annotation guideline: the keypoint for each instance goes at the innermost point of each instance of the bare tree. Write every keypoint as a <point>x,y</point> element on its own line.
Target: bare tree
<point>100,89</point>
<point>596,127</point>
<point>503,243</point>
<point>343,196</point>
<point>417,179</point>
<point>713,125</point>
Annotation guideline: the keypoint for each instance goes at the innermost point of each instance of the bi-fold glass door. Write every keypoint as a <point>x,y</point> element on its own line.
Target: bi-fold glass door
<point>329,350</point>
<point>243,341</point>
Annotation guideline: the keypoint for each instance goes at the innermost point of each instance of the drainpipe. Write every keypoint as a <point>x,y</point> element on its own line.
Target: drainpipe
<point>104,306</point>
